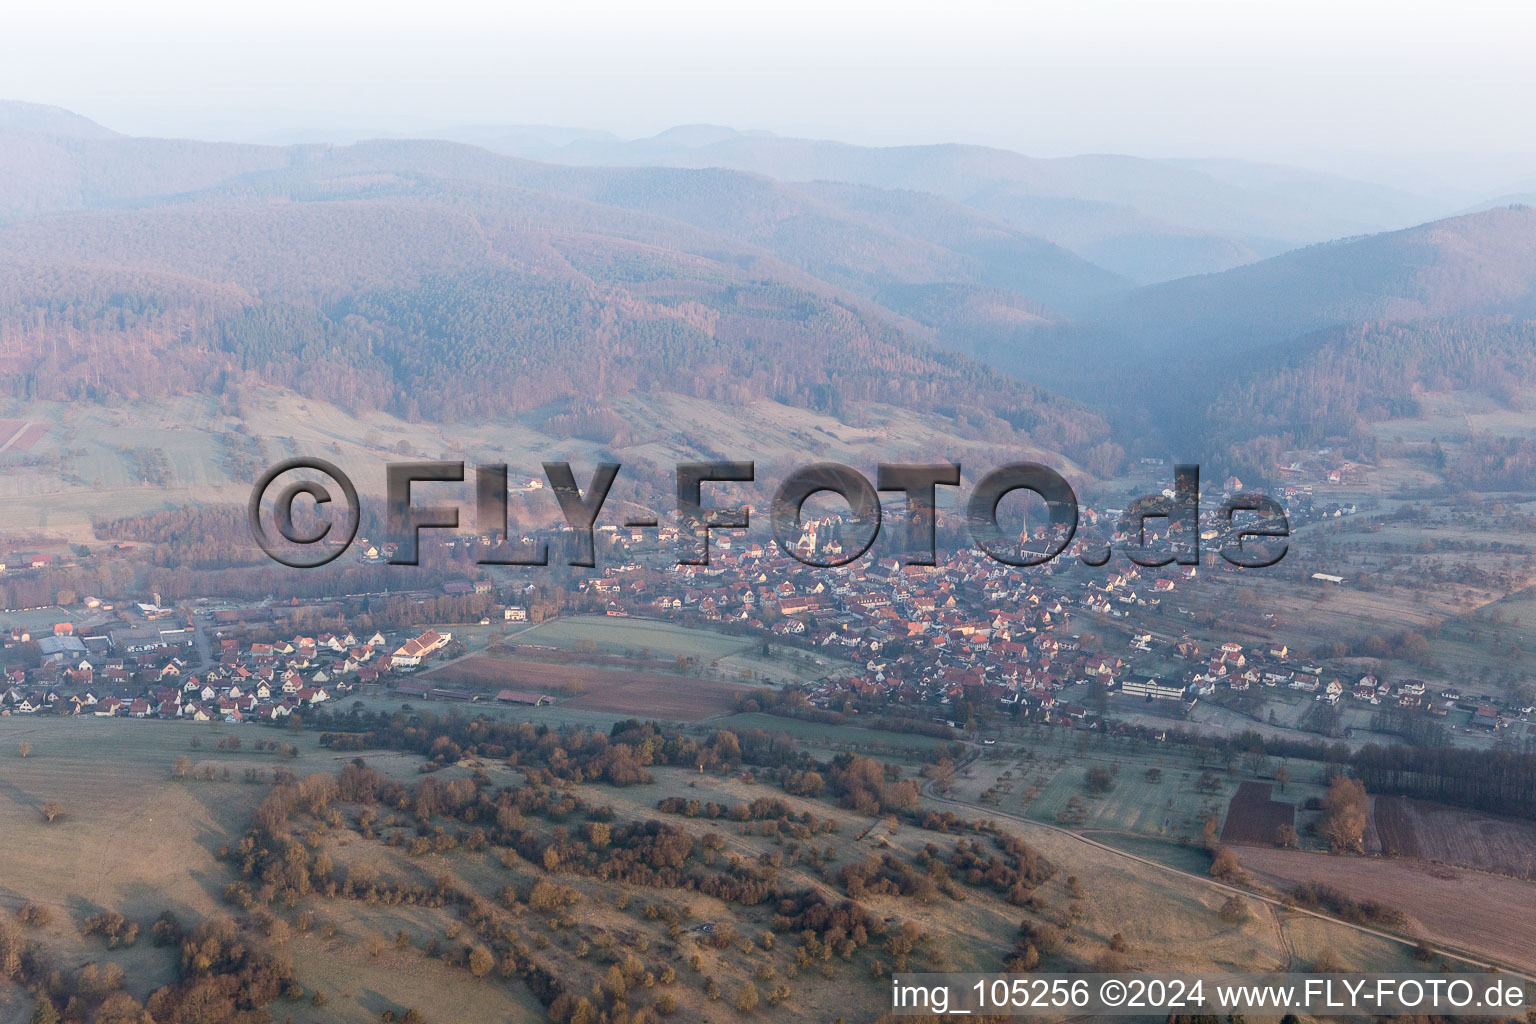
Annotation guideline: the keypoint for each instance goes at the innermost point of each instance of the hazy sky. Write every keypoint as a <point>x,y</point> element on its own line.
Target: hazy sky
<point>1282,80</point>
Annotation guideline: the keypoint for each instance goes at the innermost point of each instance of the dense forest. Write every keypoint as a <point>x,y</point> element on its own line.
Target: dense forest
<point>446,312</point>
<point>1333,385</point>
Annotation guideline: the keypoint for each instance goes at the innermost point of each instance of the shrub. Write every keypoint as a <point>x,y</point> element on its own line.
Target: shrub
<point>1225,867</point>
<point>1234,910</point>
<point>1099,780</point>
<point>35,915</point>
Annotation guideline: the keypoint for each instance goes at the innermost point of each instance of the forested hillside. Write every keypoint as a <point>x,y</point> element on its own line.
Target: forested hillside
<point>1476,264</point>
<point>438,282</point>
<point>1334,385</point>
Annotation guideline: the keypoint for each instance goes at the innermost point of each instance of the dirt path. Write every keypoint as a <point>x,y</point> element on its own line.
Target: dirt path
<point>12,439</point>
<point>1449,950</point>
<point>1486,914</point>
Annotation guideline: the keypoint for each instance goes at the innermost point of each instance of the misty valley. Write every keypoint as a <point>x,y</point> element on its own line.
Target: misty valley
<point>747,573</point>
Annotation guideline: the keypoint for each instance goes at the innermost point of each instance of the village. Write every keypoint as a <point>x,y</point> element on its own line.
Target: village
<point>958,644</point>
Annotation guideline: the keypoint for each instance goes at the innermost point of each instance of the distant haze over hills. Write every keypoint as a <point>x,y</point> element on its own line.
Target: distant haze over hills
<point>442,279</point>
<point>41,119</point>
<point>1145,219</point>
<point>1474,264</point>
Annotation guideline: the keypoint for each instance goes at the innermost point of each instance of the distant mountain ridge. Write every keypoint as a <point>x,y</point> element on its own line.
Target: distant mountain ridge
<point>565,286</point>
<point>1148,220</point>
<point>1476,264</point>
<point>438,280</point>
<point>1142,219</point>
<point>17,117</point>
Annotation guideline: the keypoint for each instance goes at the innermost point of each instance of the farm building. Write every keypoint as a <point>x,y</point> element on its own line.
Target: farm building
<point>524,697</point>
<point>1486,717</point>
<point>426,691</point>
<point>413,651</point>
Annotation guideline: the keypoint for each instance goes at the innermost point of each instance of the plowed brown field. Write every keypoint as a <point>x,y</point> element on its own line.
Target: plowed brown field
<point>1483,914</point>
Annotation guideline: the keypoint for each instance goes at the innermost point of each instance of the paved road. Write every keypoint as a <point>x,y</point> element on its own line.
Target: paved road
<point>204,647</point>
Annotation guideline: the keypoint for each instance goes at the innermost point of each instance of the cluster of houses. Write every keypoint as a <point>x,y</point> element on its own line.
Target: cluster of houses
<point>258,681</point>
<point>971,630</point>
<point>968,630</point>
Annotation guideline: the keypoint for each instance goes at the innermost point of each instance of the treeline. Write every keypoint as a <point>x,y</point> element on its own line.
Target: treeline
<point>65,585</point>
<point>1502,782</point>
<point>208,551</point>
<point>772,816</point>
<point>867,786</point>
<point>618,757</point>
<point>1318,896</point>
<point>1498,781</point>
<point>1488,463</point>
<point>196,537</point>
<point>1013,869</point>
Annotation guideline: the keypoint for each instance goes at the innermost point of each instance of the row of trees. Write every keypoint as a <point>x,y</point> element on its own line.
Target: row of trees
<point>1499,781</point>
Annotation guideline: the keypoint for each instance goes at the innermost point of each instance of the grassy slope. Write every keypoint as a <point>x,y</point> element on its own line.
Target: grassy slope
<point>137,842</point>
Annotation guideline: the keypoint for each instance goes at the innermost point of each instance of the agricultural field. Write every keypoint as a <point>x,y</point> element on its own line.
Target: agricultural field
<point>1191,858</point>
<point>555,716</point>
<point>1425,831</point>
<point>1447,414</point>
<point>1487,915</point>
<point>668,698</point>
<point>190,449</point>
<point>1171,807</point>
<point>731,657</point>
<point>634,637</point>
<point>1143,797</point>
<point>19,435</point>
<point>1254,816</point>
<point>833,738</point>
<point>76,470</point>
<point>631,666</point>
<point>672,698</point>
<point>1155,792</point>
